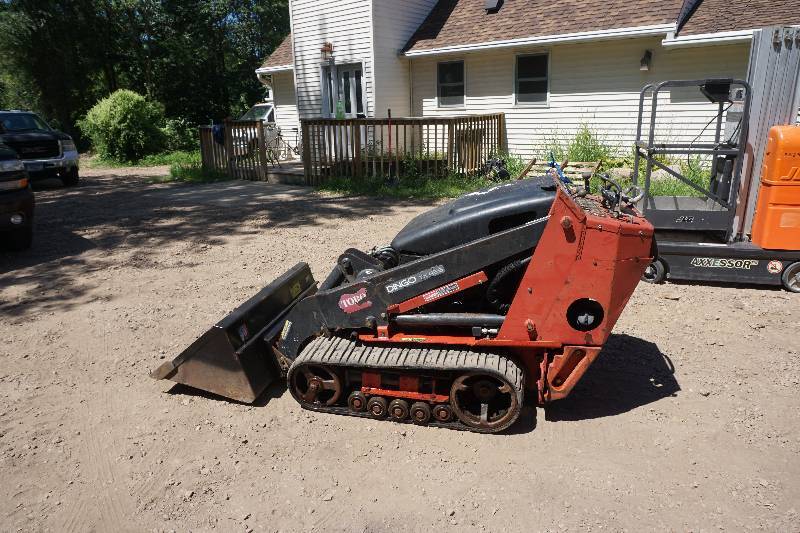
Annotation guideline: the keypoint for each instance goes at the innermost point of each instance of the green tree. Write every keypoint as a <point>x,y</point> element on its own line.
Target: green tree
<point>196,57</point>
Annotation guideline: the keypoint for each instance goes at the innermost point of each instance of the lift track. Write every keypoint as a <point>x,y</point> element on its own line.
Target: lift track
<point>481,391</point>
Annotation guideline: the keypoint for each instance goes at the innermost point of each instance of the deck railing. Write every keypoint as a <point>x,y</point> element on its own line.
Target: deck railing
<point>398,147</point>
<point>359,148</point>
<point>238,151</point>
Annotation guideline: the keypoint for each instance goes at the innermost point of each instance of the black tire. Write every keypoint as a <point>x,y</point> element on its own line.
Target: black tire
<point>21,239</point>
<point>656,272</point>
<point>791,277</point>
<point>71,178</point>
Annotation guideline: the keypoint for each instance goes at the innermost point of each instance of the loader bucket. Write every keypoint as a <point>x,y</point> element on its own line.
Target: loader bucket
<point>233,359</point>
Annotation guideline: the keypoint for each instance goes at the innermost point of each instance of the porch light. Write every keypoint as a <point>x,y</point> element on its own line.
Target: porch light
<point>327,51</point>
<point>646,61</point>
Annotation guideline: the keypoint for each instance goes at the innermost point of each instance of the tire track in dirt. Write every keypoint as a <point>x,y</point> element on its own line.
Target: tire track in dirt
<point>108,506</point>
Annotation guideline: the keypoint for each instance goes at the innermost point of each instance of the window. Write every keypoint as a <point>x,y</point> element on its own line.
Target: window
<point>342,91</point>
<point>531,82</point>
<point>450,84</point>
<point>265,112</point>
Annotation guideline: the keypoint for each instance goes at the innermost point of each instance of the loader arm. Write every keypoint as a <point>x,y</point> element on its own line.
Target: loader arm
<point>328,311</point>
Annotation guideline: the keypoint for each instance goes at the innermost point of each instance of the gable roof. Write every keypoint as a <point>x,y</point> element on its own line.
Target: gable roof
<point>456,25</point>
<point>714,16</point>
<point>281,59</point>
<point>465,22</point>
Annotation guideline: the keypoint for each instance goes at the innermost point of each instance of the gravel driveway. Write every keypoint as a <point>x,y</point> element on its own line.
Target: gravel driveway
<point>689,420</point>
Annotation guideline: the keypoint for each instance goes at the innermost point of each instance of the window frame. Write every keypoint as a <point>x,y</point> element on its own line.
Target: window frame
<point>516,80</point>
<point>331,76</point>
<point>439,103</point>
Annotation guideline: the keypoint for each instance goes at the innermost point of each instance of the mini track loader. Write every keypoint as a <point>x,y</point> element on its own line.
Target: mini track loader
<point>502,294</point>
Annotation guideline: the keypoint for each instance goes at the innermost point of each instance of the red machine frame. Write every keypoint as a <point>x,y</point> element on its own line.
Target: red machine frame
<point>586,255</point>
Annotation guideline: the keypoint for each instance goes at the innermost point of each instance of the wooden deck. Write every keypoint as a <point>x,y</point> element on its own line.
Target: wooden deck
<point>359,148</point>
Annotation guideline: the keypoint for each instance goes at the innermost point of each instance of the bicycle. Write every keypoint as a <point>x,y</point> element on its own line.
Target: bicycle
<point>278,148</point>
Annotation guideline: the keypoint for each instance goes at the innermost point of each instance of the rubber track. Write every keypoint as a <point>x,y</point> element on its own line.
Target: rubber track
<point>340,352</point>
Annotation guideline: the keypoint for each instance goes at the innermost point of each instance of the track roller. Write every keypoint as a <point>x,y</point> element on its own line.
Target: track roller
<point>420,413</point>
<point>442,413</point>
<point>377,407</point>
<point>357,401</point>
<point>398,409</point>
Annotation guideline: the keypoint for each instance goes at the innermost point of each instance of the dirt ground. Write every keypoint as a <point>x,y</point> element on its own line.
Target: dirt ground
<point>688,421</point>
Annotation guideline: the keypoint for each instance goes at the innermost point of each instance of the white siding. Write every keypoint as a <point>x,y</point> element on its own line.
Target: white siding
<point>395,22</point>
<point>597,84</point>
<point>285,100</point>
<point>345,23</point>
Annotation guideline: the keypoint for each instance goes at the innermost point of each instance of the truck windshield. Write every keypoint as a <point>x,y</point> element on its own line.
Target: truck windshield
<point>260,112</point>
<point>14,122</point>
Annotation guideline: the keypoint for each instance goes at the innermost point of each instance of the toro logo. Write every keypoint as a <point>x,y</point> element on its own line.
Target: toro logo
<point>350,303</point>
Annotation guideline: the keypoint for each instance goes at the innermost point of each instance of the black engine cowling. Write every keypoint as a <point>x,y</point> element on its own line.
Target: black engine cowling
<point>476,215</point>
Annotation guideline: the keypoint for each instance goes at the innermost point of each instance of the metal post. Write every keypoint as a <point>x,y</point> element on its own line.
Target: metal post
<point>774,74</point>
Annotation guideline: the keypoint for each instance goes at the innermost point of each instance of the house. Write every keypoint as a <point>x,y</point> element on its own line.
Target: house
<point>549,66</point>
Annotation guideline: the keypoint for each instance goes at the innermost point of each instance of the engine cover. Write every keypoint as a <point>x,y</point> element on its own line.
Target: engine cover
<point>475,215</point>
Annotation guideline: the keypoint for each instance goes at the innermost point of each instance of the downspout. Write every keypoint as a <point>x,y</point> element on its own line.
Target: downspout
<point>371,98</point>
<point>410,86</point>
<point>294,66</point>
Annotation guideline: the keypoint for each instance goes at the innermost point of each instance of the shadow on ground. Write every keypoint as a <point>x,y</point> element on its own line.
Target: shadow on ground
<point>628,373</point>
<point>275,390</point>
<point>116,213</point>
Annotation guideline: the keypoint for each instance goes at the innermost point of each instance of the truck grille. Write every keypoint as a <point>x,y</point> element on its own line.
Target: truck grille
<point>36,149</point>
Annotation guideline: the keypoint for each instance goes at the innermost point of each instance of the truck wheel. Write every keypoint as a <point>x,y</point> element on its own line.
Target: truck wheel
<point>791,277</point>
<point>71,179</point>
<point>21,239</point>
<point>656,272</point>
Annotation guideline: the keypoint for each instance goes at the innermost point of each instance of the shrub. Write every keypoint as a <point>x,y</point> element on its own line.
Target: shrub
<point>124,126</point>
<point>515,164</point>
<point>180,135</point>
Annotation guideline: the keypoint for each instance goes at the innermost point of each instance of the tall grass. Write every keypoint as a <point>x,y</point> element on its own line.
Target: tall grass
<point>585,145</point>
<point>449,186</point>
<point>415,180</point>
<point>514,163</point>
<point>179,157</point>
<point>191,172</point>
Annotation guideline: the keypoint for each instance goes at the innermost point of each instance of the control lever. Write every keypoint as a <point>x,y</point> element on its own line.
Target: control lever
<point>587,183</point>
<point>615,199</point>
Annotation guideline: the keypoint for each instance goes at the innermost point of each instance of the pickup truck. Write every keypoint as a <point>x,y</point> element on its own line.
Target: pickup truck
<point>45,152</point>
<point>16,202</point>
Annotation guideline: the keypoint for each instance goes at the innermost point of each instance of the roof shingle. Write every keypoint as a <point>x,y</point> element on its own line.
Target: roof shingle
<point>714,16</point>
<point>282,56</point>
<point>460,22</point>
